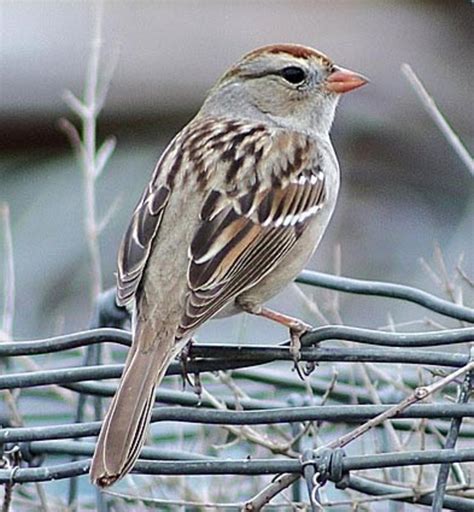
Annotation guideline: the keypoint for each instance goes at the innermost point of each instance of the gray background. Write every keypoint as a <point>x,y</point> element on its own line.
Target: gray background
<point>403,189</point>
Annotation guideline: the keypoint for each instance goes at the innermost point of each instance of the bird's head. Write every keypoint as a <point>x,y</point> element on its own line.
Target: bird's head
<point>292,85</point>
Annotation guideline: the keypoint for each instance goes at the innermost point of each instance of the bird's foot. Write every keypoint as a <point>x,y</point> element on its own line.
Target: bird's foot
<point>185,356</point>
<point>297,329</point>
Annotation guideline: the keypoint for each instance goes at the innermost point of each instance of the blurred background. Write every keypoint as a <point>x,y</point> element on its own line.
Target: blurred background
<point>403,188</point>
<point>406,207</point>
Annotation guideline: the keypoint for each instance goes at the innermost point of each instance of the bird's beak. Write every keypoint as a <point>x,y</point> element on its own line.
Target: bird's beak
<point>344,80</point>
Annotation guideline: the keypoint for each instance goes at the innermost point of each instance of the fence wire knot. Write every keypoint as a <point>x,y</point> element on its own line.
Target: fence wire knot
<point>322,465</point>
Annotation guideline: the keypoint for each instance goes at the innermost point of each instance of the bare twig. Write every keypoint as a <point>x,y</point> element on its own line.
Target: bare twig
<point>73,135</point>
<point>311,304</point>
<point>268,493</point>
<point>460,270</point>
<point>92,159</point>
<point>330,388</point>
<point>440,121</point>
<point>198,505</point>
<point>396,496</point>
<point>429,322</point>
<point>418,394</point>
<point>250,434</point>
<point>366,378</point>
<point>333,305</point>
<point>440,275</point>
<point>109,214</point>
<point>448,282</point>
<point>9,271</point>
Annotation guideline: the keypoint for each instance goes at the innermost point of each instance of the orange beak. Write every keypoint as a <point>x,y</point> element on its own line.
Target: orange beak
<point>343,80</point>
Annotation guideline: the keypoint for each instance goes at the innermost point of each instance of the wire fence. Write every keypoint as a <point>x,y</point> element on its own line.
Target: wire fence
<point>28,453</point>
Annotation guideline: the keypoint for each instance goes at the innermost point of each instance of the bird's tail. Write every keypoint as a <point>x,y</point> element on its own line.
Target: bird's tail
<point>124,427</point>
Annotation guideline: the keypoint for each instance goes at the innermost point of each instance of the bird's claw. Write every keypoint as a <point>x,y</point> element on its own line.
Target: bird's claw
<point>297,329</point>
<point>185,356</point>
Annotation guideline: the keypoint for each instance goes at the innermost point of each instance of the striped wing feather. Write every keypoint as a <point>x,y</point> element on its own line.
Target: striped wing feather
<point>186,154</point>
<point>137,242</point>
<point>261,188</point>
<point>239,244</point>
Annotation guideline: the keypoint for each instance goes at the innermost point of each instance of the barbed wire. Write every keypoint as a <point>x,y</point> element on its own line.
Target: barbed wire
<point>33,444</point>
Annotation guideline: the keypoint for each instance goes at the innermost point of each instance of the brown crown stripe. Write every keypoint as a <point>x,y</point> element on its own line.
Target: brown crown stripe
<point>295,50</point>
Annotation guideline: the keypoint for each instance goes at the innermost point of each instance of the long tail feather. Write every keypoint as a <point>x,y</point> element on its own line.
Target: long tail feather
<point>125,424</point>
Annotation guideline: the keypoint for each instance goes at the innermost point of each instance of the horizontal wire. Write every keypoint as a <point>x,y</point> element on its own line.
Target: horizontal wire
<point>243,467</point>
<point>370,487</point>
<point>179,397</point>
<point>272,466</point>
<point>65,342</point>
<point>392,339</point>
<point>389,290</point>
<point>331,332</point>
<point>87,449</point>
<point>328,413</point>
<point>240,356</point>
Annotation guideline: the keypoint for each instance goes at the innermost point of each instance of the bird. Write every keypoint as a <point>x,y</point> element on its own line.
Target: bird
<point>234,209</point>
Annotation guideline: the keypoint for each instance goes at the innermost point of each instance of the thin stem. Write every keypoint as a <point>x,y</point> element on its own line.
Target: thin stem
<point>418,394</point>
<point>91,158</point>
<point>89,133</point>
<point>9,289</point>
<point>440,121</point>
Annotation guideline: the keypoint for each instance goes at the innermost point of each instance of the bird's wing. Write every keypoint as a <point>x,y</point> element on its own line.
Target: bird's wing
<point>259,187</point>
<point>273,187</point>
<point>143,227</point>
<point>194,150</point>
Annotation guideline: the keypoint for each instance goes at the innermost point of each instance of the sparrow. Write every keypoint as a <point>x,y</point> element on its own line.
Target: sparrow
<point>235,207</point>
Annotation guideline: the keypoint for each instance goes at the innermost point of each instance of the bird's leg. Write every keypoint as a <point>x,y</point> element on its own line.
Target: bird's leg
<point>296,327</point>
<point>184,357</point>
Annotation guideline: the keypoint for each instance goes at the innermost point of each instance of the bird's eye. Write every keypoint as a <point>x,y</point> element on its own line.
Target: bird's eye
<point>293,74</point>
